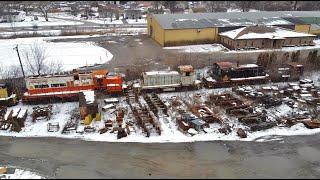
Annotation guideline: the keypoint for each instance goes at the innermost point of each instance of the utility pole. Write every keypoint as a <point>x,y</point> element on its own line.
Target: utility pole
<point>16,48</point>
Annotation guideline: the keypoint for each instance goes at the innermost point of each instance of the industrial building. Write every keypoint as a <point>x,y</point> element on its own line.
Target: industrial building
<point>197,28</point>
<point>264,37</point>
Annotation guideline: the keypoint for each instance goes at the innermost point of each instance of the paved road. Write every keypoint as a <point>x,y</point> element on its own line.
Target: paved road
<point>294,157</point>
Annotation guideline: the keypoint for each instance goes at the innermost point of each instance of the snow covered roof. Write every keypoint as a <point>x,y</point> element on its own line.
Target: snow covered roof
<point>186,68</point>
<point>153,73</point>
<point>89,95</point>
<point>263,32</point>
<point>248,65</point>
<point>227,19</point>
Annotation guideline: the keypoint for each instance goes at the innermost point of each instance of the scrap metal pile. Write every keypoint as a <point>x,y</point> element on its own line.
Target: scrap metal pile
<point>155,104</point>
<point>38,111</point>
<point>243,112</point>
<point>13,119</point>
<point>144,117</point>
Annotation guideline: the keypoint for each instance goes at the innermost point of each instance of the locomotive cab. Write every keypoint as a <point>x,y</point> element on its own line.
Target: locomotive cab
<point>187,75</point>
<point>7,97</point>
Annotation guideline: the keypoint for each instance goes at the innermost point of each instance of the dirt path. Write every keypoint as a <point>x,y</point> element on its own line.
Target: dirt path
<point>293,157</point>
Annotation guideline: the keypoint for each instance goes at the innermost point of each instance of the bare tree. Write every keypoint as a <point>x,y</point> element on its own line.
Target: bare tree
<point>26,6</point>
<point>37,63</point>
<point>44,7</point>
<point>156,5</point>
<point>210,5</point>
<point>53,67</point>
<point>295,3</point>
<point>35,59</point>
<point>171,5</point>
<point>245,5</point>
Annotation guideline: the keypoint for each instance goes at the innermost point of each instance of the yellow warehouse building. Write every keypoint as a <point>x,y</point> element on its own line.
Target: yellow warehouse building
<point>199,28</point>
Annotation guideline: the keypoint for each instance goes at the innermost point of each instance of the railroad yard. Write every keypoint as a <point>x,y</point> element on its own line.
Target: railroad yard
<point>245,112</point>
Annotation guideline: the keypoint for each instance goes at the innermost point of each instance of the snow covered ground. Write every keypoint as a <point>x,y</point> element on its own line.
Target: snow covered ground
<point>239,10</point>
<point>203,48</point>
<point>30,22</point>
<point>105,21</point>
<point>71,55</point>
<point>140,21</point>
<point>30,33</point>
<point>22,174</point>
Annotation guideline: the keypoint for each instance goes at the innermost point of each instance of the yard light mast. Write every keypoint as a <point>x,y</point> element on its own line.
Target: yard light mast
<point>16,48</point>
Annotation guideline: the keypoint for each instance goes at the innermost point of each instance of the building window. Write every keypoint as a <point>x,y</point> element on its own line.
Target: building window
<point>252,43</point>
<point>187,73</point>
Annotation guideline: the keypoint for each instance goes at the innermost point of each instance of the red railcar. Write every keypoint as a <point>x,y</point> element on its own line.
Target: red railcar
<point>67,86</point>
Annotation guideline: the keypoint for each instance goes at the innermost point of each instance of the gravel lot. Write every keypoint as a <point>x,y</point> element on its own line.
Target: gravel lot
<point>291,157</point>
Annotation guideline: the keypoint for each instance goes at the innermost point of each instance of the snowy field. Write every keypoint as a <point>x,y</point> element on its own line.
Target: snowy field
<point>30,33</point>
<point>105,21</point>
<point>169,129</point>
<point>239,10</point>
<point>71,55</point>
<point>30,22</point>
<point>140,21</point>
<point>22,174</point>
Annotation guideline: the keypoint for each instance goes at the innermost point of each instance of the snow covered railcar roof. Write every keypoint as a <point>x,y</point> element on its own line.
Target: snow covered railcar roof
<point>154,73</point>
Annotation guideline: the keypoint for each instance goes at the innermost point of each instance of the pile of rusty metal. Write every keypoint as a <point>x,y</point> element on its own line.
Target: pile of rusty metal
<point>205,113</point>
<point>145,119</point>
<point>38,111</point>
<point>87,104</point>
<point>259,96</point>
<point>188,121</point>
<point>240,110</point>
<point>269,101</point>
<point>225,129</point>
<point>225,100</point>
<point>304,92</point>
<point>132,98</point>
<point>13,119</point>
<point>241,133</point>
<point>155,104</point>
<point>244,113</point>
<point>248,92</point>
<point>72,123</point>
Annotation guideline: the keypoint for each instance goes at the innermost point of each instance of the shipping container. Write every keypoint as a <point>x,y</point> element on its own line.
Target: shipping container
<point>160,79</point>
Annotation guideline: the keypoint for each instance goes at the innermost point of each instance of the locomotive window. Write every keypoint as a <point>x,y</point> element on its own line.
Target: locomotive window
<point>41,86</point>
<point>58,85</point>
<point>54,85</point>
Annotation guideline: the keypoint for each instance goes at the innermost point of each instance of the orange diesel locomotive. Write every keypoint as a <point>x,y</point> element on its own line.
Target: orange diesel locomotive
<point>66,87</point>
